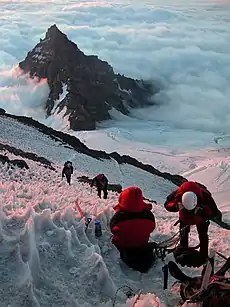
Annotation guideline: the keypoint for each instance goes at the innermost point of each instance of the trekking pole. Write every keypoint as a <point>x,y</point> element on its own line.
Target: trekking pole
<point>208,270</point>
<point>166,276</point>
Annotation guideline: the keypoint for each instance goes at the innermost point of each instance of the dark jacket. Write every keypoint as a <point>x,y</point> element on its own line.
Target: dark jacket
<point>100,181</point>
<point>206,206</point>
<point>133,221</point>
<point>67,169</point>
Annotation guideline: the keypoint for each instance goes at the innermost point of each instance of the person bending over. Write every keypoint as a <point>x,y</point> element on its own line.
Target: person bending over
<point>196,206</point>
<point>101,183</point>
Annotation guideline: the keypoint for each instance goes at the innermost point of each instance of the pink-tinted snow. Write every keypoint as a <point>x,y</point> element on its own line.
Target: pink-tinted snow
<point>46,253</point>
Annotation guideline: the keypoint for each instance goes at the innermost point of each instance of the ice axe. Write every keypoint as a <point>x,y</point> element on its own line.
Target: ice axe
<point>221,255</point>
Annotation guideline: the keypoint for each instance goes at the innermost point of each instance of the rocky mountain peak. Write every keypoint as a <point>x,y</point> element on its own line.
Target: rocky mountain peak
<point>85,87</point>
<point>54,33</point>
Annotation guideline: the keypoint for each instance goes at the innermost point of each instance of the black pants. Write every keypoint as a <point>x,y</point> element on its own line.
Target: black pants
<point>139,258</point>
<point>104,189</point>
<point>68,178</point>
<point>202,230</point>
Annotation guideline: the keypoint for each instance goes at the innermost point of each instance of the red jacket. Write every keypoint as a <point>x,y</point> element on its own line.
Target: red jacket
<point>133,221</point>
<point>206,209</point>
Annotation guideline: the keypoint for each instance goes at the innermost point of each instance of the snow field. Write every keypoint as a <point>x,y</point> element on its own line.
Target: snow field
<point>49,260</point>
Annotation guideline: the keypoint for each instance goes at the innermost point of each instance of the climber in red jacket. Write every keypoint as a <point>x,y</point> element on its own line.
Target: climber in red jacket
<point>131,226</point>
<point>101,182</point>
<point>196,206</point>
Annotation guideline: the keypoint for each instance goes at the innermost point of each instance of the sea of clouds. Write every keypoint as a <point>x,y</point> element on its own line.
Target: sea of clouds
<point>183,46</point>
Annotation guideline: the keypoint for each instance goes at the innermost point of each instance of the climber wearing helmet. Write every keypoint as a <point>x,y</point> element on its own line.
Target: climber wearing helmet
<point>196,206</point>
<point>101,183</point>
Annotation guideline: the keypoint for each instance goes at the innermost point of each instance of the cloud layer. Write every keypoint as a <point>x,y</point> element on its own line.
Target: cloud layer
<point>185,47</point>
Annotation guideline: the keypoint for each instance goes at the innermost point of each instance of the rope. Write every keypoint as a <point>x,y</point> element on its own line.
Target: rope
<point>164,247</point>
<point>172,240</point>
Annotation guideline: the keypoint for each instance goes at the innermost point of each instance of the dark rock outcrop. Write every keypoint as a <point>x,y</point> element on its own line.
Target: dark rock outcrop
<point>111,186</point>
<point>23,154</point>
<point>4,159</point>
<point>91,86</point>
<point>17,162</point>
<point>74,143</point>
<point>2,111</point>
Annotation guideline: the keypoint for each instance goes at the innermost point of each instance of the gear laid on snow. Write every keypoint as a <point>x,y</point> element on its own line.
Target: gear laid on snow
<point>198,208</point>
<point>101,183</point>
<point>67,171</point>
<point>88,220</point>
<point>210,290</point>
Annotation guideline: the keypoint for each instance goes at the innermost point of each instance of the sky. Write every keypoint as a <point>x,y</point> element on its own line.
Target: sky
<point>183,47</point>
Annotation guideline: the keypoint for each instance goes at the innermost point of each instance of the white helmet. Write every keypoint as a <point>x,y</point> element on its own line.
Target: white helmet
<point>189,200</point>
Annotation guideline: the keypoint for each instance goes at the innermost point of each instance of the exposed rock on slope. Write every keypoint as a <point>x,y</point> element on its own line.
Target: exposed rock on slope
<point>21,163</point>
<point>2,111</point>
<point>17,162</point>
<point>111,187</point>
<point>74,143</point>
<point>85,85</point>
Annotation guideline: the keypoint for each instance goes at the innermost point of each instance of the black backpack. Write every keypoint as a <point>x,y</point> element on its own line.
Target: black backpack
<point>68,164</point>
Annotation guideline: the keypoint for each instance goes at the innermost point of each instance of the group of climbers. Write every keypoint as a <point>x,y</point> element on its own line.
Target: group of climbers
<point>100,181</point>
<point>133,221</point>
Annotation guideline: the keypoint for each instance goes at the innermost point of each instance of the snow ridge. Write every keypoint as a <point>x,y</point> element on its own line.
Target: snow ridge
<point>47,258</point>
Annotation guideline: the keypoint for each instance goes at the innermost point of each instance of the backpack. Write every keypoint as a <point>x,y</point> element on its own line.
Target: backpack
<point>101,179</point>
<point>207,195</point>
<point>203,187</point>
<point>68,164</point>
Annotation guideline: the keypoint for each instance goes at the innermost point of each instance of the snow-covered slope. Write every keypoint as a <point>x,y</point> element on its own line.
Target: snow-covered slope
<point>211,166</point>
<point>30,139</point>
<point>46,257</point>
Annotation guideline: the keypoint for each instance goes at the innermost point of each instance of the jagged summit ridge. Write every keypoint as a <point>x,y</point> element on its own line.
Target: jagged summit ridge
<point>54,32</point>
<point>85,86</point>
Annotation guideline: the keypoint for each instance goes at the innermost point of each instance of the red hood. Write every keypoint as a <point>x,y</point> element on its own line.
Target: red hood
<point>131,199</point>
